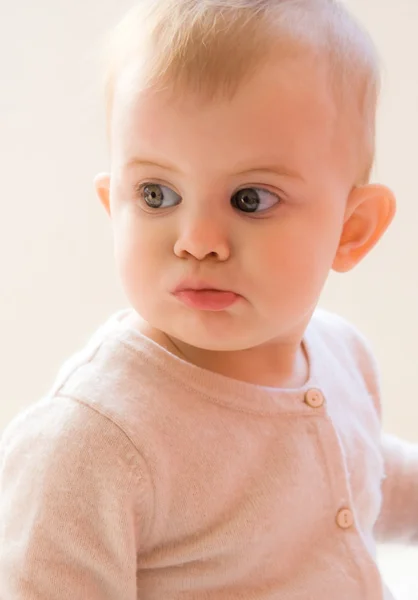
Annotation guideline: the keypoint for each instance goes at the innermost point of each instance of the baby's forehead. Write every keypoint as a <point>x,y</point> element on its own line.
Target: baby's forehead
<point>285,114</point>
<point>213,46</point>
<point>303,75</point>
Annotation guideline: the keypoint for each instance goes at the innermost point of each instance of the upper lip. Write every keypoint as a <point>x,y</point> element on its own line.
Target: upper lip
<point>196,285</point>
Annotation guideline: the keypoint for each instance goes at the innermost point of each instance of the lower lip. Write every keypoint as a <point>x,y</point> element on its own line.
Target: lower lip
<point>207,299</point>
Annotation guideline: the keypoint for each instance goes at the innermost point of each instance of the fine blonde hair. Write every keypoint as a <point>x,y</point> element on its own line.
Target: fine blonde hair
<point>211,46</point>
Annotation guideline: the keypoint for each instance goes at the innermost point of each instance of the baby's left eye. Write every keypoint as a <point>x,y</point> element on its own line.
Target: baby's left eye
<point>251,200</point>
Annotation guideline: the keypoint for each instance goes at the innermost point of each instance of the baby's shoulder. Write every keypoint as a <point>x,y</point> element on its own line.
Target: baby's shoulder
<point>340,333</point>
<point>96,407</point>
<point>336,337</point>
<point>113,379</point>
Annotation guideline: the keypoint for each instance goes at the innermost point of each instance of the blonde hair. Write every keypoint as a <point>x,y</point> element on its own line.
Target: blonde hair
<point>211,46</point>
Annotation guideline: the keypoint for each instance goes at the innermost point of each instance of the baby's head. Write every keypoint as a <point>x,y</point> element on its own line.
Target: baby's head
<point>242,141</point>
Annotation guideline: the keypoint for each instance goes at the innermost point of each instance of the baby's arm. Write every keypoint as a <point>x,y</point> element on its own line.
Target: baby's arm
<point>69,487</point>
<point>398,521</point>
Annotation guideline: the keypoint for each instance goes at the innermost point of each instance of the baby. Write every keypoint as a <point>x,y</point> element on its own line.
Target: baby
<point>221,439</point>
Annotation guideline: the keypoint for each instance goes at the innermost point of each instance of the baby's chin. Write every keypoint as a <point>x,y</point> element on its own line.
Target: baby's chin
<point>214,332</point>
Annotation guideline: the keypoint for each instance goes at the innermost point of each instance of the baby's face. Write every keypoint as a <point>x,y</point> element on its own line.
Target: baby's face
<point>246,195</point>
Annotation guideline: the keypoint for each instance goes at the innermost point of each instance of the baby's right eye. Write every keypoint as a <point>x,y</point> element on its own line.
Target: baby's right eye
<point>158,196</point>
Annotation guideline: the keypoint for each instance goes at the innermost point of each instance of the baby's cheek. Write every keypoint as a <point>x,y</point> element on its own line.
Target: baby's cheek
<point>294,272</point>
<point>132,263</point>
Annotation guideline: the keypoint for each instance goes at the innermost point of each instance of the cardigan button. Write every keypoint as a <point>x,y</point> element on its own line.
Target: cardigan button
<point>314,398</point>
<point>345,519</point>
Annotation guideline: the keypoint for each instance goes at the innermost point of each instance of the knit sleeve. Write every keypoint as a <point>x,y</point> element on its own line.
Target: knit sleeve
<point>73,505</point>
<point>398,521</point>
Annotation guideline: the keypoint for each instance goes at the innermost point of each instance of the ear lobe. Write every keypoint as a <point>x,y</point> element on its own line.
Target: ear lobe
<point>370,210</point>
<point>102,187</point>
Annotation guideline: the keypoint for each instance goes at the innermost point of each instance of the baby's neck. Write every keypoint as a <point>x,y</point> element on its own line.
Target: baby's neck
<point>271,365</point>
<point>277,368</point>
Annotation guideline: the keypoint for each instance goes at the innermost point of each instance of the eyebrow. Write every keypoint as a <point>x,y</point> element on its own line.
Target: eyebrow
<point>273,169</point>
<point>140,162</point>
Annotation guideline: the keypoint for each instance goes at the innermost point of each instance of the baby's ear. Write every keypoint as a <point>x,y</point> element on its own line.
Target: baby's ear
<point>102,186</point>
<point>370,210</point>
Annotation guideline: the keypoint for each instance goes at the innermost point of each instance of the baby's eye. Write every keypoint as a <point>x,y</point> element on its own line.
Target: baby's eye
<point>158,196</point>
<point>251,200</point>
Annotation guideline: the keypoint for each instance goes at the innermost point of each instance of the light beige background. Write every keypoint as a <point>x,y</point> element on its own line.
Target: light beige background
<point>58,281</point>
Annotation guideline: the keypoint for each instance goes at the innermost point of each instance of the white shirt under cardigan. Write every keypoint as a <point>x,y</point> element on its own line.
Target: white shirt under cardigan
<point>143,477</point>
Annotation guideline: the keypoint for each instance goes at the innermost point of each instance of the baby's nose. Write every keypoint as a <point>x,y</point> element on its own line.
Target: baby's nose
<point>203,236</point>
